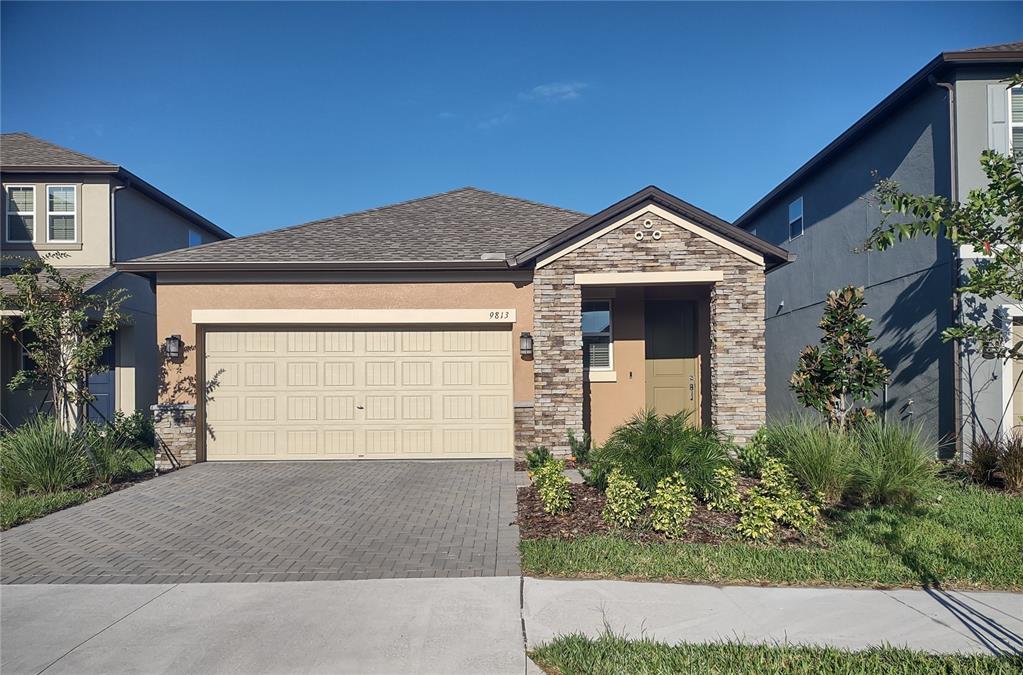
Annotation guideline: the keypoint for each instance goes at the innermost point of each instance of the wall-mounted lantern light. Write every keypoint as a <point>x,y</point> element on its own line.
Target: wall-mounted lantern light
<point>172,346</point>
<point>526,345</point>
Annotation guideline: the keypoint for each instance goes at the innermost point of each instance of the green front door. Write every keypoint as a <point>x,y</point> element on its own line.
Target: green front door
<point>672,358</point>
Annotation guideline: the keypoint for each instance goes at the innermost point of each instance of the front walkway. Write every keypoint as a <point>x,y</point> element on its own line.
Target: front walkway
<point>455,625</point>
<point>280,521</point>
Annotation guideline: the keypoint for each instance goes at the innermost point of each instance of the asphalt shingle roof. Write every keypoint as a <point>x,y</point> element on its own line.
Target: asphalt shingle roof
<point>1006,47</point>
<point>25,150</point>
<point>460,225</point>
<point>96,276</point>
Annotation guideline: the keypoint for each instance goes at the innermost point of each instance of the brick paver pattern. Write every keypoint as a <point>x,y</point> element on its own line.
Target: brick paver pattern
<point>280,521</point>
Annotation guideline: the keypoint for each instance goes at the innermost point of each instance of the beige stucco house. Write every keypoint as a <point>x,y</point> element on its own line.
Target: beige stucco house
<point>465,324</point>
<point>95,213</point>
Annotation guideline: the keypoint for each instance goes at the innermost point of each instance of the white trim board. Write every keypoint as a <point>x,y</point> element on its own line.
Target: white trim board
<point>1008,370</point>
<point>647,278</point>
<point>293,317</point>
<point>746,253</point>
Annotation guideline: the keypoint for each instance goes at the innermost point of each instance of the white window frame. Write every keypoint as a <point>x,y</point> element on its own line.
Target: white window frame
<point>801,218</point>
<point>194,233</point>
<point>610,335</point>
<point>73,212</point>
<point>8,213</point>
<point>1008,114</point>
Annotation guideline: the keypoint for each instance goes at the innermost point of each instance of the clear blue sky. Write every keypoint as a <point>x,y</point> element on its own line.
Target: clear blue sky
<point>265,115</point>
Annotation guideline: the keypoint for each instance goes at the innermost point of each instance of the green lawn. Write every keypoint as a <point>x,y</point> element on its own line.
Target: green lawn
<point>17,510</point>
<point>610,654</point>
<point>969,538</point>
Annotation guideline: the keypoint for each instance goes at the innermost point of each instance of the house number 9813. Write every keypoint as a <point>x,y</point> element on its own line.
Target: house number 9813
<point>500,315</point>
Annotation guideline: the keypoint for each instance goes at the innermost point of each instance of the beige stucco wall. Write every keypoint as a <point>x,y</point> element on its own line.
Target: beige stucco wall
<point>92,248</point>
<point>175,302</point>
<point>144,227</point>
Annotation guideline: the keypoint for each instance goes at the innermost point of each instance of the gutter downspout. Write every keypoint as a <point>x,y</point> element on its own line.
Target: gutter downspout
<point>113,220</point>
<point>957,306</point>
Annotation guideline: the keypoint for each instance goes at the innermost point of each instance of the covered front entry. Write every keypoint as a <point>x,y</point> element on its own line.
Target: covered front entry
<point>365,392</point>
<point>656,354</point>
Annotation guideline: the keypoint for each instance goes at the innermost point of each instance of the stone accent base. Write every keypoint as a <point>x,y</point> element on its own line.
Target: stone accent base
<point>175,435</point>
<point>525,432</point>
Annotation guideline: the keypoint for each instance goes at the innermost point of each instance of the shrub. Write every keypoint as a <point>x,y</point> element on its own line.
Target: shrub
<point>650,448</point>
<point>1011,460</point>
<point>672,504</point>
<point>134,430</point>
<point>895,465</point>
<point>756,516</point>
<point>537,457</point>
<point>625,500</point>
<point>792,508</point>
<point>580,447</point>
<point>552,485</point>
<point>750,458</point>
<point>723,494</point>
<point>984,459</point>
<point>113,453</point>
<point>819,456</point>
<point>39,457</point>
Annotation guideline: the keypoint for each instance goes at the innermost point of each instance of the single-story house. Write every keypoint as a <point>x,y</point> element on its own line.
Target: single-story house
<point>466,324</point>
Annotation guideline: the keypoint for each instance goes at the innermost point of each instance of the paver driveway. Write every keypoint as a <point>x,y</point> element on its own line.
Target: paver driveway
<point>281,521</point>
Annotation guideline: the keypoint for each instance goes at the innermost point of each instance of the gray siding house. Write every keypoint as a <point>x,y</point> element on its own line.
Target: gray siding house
<point>95,213</point>
<point>928,135</point>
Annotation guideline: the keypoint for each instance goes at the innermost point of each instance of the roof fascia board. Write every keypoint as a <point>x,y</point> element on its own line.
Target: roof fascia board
<point>879,111</point>
<point>312,266</point>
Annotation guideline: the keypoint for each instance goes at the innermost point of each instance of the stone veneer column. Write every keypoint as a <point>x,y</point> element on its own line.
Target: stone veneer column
<point>738,404</point>
<point>175,435</point>
<point>557,358</point>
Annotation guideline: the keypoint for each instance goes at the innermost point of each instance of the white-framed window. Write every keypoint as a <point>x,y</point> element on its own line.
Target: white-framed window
<point>21,213</point>
<point>61,217</point>
<point>194,237</point>
<point>1016,121</point>
<point>597,337</point>
<point>796,219</point>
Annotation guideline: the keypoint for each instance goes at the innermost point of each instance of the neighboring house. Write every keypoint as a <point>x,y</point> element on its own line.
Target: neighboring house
<point>465,324</point>
<point>928,135</point>
<point>96,213</point>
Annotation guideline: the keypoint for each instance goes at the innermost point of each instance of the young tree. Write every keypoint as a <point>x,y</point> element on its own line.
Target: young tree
<point>837,377</point>
<point>991,221</point>
<point>62,328</point>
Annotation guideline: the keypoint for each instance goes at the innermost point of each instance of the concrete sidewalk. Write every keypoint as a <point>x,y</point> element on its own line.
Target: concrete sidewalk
<point>468,625</point>
<point>934,621</point>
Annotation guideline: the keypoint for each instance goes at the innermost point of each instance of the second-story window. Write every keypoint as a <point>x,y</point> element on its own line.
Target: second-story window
<point>1016,121</point>
<point>60,213</point>
<point>21,213</point>
<point>796,218</point>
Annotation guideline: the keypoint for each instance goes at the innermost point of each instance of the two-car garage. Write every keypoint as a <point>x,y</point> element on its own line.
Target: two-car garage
<point>280,392</point>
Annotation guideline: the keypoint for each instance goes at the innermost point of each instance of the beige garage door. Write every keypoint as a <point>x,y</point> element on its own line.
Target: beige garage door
<point>348,394</point>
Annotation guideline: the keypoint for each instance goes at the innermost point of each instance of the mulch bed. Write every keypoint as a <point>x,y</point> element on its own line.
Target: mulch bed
<point>583,519</point>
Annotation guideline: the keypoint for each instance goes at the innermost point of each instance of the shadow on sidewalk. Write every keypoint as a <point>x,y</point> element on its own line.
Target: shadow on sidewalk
<point>993,635</point>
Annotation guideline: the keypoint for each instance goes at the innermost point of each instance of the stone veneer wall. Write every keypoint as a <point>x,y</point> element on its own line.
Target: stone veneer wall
<point>737,390</point>
<point>175,435</point>
<point>524,434</point>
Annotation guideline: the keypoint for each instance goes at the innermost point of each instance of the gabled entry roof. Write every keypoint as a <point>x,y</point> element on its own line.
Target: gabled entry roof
<point>467,228</point>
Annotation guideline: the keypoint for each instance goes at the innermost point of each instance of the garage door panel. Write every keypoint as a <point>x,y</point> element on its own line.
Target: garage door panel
<point>318,394</point>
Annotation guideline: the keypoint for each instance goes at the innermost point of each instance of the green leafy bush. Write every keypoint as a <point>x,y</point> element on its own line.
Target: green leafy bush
<point>650,448</point>
<point>537,457</point>
<point>581,447</point>
<point>821,457</point>
<point>552,485</point>
<point>625,500</point>
<point>1011,460</point>
<point>896,465</point>
<point>756,516</point>
<point>723,494</point>
<point>750,458</point>
<point>672,504</point>
<point>39,457</point>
